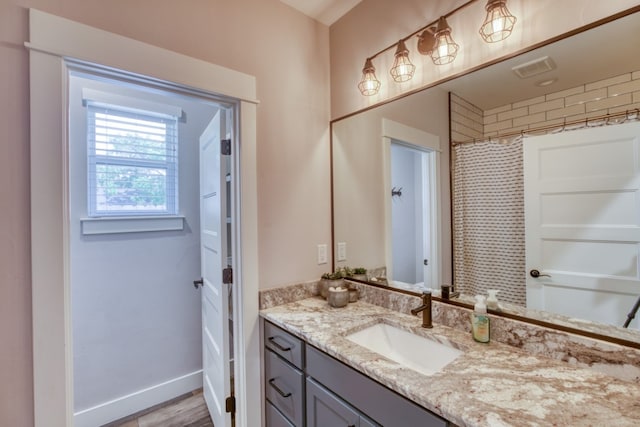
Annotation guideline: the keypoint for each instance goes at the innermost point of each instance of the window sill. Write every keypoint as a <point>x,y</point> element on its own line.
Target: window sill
<point>131,224</point>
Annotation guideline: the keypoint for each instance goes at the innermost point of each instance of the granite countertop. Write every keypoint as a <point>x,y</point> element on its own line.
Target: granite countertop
<point>489,385</point>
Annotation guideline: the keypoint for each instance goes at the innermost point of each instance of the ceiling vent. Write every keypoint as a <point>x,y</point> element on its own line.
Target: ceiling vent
<point>535,67</point>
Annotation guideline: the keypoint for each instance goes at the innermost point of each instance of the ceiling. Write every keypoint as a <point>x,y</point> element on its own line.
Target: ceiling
<point>325,11</point>
<point>593,55</point>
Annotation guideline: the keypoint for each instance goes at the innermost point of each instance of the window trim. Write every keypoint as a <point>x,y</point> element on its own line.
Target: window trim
<point>131,224</point>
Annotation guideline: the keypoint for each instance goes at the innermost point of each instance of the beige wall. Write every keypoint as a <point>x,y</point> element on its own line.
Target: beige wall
<point>358,164</point>
<point>374,24</point>
<point>288,54</point>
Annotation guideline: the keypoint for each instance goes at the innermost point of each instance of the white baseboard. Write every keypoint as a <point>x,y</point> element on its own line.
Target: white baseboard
<point>135,402</point>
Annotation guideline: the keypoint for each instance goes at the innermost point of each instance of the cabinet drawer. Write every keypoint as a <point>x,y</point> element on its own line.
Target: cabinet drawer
<point>275,418</point>
<point>285,388</point>
<point>284,344</point>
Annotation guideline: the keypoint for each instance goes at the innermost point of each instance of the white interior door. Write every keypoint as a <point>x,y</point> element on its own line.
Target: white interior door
<point>215,294</point>
<point>582,222</point>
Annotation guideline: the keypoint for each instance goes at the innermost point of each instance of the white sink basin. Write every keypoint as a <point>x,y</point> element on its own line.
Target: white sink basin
<point>413,351</point>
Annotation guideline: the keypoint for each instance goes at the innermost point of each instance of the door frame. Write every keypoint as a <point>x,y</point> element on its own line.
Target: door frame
<point>53,41</point>
<point>430,144</point>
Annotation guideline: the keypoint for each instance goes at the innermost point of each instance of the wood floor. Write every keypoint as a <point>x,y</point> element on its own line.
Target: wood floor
<point>188,410</point>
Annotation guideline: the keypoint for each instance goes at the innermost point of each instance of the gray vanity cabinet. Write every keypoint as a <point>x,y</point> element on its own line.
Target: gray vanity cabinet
<point>305,387</point>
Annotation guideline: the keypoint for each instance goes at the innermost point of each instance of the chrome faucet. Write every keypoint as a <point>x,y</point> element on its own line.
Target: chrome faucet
<point>425,308</point>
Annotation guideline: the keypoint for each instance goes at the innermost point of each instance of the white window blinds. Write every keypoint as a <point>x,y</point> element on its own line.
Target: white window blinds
<point>132,161</point>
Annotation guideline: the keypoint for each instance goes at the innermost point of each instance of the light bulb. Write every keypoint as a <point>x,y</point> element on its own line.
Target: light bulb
<point>402,69</point>
<point>445,49</point>
<point>369,84</point>
<point>499,22</point>
<point>497,25</point>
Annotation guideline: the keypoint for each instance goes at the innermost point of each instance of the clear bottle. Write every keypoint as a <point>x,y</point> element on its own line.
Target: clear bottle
<point>480,321</point>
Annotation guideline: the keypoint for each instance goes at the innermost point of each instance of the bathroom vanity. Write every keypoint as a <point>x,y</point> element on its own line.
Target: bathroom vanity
<point>306,386</point>
<point>321,377</point>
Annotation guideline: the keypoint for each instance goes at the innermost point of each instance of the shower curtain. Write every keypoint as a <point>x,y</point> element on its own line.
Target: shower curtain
<point>488,221</point>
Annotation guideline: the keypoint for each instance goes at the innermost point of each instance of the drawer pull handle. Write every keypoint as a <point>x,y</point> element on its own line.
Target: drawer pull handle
<point>272,340</point>
<point>276,388</point>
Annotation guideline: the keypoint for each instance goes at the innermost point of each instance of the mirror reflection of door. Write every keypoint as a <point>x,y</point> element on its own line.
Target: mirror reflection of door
<point>410,214</point>
<point>582,222</point>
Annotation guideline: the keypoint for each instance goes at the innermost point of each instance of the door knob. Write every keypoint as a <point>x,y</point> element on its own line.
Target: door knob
<point>197,283</point>
<point>535,273</point>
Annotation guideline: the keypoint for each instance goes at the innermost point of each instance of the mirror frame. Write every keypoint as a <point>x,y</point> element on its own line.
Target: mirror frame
<point>530,320</point>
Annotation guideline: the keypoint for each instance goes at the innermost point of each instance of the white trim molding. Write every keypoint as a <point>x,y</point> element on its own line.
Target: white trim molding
<point>54,44</point>
<point>402,132</point>
<point>138,401</point>
<point>69,39</point>
<point>131,224</point>
<point>431,144</point>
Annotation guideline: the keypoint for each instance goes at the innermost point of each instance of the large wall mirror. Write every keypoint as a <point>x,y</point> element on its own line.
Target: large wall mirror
<point>396,215</point>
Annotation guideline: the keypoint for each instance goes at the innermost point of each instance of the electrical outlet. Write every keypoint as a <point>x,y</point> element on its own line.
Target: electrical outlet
<point>342,251</point>
<point>322,254</point>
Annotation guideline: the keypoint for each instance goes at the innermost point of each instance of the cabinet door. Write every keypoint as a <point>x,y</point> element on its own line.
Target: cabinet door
<point>274,418</point>
<point>364,422</point>
<point>325,409</point>
<point>371,398</point>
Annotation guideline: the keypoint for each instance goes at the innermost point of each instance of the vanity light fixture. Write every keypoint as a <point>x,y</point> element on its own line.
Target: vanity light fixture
<point>402,69</point>
<point>426,41</point>
<point>369,85</point>
<point>435,40</point>
<point>444,49</point>
<point>499,22</point>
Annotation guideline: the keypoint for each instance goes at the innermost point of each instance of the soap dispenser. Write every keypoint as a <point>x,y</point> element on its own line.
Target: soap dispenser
<point>492,301</point>
<point>480,320</point>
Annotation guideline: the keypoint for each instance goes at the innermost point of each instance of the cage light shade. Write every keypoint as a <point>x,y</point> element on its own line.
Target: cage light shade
<point>369,84</point>
<point>444,49</point>
<point>402,69</point>
<point>499,22</point>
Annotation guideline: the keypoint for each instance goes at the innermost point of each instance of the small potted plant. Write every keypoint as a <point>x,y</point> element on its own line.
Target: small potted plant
<point>360,273</point>
<point>345,271</point>
<point>335,279</point>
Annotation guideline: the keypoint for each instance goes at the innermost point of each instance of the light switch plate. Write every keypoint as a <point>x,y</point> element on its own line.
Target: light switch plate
<point>322,254</point>
<point>342,251</point>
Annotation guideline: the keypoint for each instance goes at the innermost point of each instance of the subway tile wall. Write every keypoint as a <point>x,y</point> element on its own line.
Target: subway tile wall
<point>608,96</point>
<point>467,120</point>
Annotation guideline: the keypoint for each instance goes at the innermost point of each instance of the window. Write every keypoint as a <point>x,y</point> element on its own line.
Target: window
<point>132,161</point>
